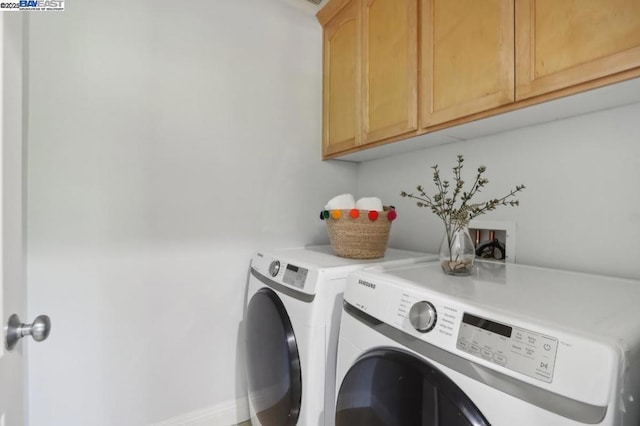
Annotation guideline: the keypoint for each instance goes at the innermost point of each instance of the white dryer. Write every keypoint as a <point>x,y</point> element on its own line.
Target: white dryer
<point>291,328</point>
<point>509,346</point>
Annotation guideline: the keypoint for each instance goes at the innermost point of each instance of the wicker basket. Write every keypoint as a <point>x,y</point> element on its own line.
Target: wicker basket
<point>361,237</point>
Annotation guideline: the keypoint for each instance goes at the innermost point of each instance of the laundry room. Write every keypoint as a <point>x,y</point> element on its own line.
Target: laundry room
<point>165,143</point>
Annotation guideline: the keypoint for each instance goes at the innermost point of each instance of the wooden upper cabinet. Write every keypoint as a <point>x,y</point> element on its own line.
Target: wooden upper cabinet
<point>342,80</point>
<point>390,68</point>
<point>399,68</point>
<point>563,43</point>
<point>467,58</point>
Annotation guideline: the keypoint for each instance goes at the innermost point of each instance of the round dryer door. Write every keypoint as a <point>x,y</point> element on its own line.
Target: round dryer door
<point>388,387</point>
<point>273,363</point>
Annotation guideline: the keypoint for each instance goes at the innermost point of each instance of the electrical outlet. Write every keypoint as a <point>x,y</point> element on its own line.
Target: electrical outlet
<point>504,232</point>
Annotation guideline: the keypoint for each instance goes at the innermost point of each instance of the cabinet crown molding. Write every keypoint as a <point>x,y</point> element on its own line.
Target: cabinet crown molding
<point>329,10</point>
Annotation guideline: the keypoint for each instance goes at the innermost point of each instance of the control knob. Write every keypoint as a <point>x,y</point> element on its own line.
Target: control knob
<point>274,268</point>
<point>423,316</point>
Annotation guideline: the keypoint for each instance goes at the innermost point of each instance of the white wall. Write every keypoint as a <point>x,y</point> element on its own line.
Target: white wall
<point>167,142</point>
<point>581,208</point>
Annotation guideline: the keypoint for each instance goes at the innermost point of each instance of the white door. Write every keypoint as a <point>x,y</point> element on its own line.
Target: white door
<point>12,288</point>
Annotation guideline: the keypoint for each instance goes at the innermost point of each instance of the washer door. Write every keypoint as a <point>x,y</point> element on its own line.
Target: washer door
<point>388,387</point>
<point>273,364</point>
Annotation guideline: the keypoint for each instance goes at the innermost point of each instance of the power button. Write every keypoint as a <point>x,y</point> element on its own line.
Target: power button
<point>274,268</point>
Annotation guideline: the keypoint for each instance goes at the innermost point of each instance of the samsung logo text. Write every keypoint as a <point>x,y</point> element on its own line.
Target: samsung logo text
<point>367,284</point>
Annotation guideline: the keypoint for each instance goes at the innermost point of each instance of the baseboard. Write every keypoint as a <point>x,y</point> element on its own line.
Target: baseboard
<point>225,414</point>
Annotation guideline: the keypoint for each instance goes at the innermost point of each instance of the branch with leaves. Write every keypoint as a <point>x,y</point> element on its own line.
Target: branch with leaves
<point>444,203</point>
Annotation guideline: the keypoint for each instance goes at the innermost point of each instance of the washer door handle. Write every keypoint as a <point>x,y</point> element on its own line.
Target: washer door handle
<point>16,330</point>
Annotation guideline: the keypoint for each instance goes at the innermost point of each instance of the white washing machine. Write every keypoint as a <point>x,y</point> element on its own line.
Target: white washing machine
<point>291,326</point>
<point>509,346</point>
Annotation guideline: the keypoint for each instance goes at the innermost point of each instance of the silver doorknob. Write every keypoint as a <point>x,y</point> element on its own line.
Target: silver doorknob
<point>16,330</point>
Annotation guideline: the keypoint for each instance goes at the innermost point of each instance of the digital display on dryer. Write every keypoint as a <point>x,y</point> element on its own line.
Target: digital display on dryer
<point>295,276</point>
<point>485,324</point>
<point>515,348</point>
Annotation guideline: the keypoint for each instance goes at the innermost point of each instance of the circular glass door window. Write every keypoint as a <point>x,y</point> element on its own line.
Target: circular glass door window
<point>273,362</point>
<point>387,387</point>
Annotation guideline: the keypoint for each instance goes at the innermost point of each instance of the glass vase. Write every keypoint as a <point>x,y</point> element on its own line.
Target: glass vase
<point>457,252</point>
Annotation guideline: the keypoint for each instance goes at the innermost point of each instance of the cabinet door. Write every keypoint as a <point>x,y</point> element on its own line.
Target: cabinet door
<point>342,80</point>
<point>467,58</point>
<point>390,74</point>
<point>568,42</point>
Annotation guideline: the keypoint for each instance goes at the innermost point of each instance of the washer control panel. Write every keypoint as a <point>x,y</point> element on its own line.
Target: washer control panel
<point>517,349</point>
<point>295,275</point>
<point>435,320</point>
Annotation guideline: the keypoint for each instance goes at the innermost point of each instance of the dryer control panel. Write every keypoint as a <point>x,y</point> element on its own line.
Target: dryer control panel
<point>295,275</point>
<point>277,271</point>
<point>517,349</point>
